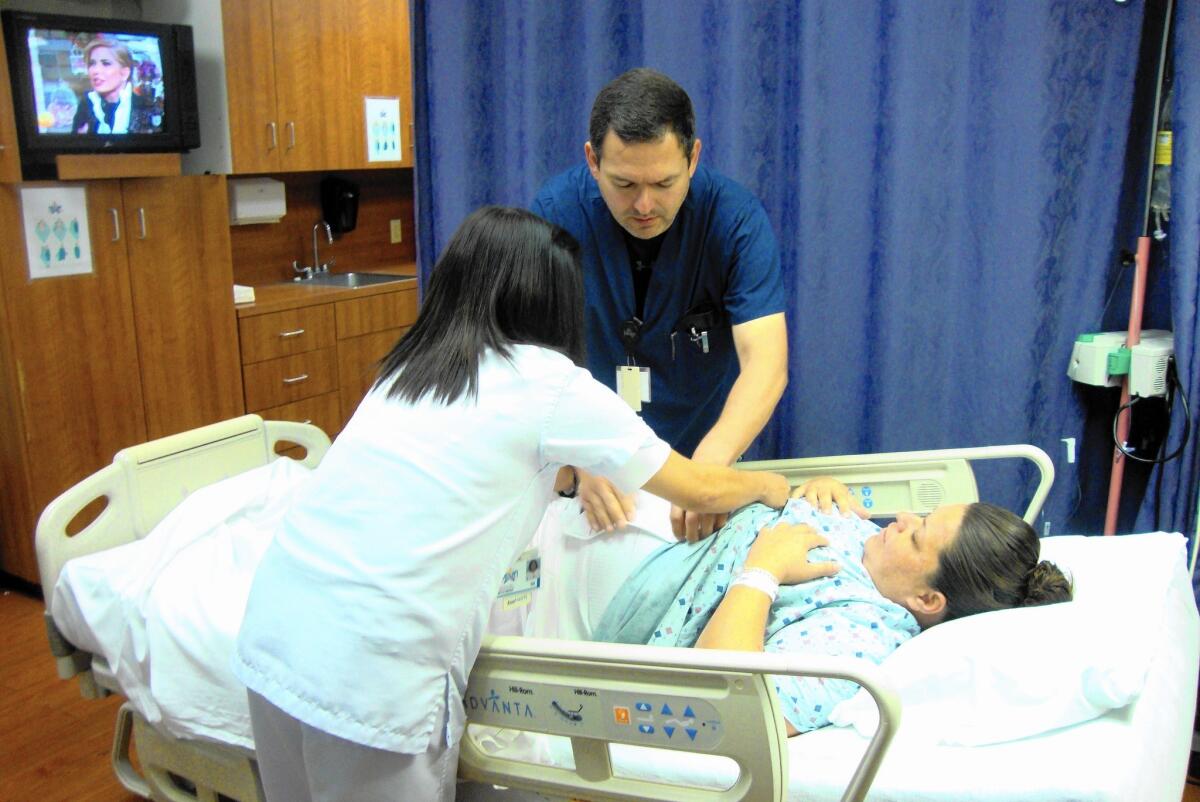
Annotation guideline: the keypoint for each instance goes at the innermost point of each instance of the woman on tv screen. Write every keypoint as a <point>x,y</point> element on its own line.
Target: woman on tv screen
<point>112,106</point>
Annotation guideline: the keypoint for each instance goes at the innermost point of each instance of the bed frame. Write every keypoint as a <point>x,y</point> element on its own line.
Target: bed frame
<point>713,702</point>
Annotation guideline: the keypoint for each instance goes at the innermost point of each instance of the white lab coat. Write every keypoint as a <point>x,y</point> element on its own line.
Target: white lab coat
<point>368,609</point>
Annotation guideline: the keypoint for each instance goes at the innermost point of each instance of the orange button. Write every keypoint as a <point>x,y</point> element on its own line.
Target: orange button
<point>621,715</point>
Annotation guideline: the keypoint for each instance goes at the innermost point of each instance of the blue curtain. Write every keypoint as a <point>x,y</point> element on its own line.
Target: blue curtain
<point>945,178</point>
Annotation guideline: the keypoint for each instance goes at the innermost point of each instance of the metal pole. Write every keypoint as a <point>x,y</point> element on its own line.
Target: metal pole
<point>1138,295</point>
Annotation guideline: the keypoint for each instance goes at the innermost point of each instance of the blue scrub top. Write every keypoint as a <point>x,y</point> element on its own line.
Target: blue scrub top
<point>721,242</point>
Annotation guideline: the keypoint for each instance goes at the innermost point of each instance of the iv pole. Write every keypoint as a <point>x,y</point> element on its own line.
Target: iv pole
<point>1137,296</point>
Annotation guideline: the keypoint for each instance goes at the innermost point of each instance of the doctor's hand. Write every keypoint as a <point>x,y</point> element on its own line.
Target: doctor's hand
<point>606,507</point>
<point>693,526</point>
<point>824,491</point>
<point>783,550</point>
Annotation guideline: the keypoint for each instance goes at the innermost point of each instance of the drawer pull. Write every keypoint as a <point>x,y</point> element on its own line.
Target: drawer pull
<point>296,379</point>
<point>306,421</point>
<point>294,333</point>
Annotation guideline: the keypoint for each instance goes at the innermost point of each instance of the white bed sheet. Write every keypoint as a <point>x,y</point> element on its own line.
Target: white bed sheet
<point>184,592</point>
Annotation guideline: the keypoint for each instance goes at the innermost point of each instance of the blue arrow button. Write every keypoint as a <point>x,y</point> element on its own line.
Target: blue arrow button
<point>669,731</point>
<point>687,712</point>
<point>643,706</point>
<point>666,711</point>
<point>646,729</point>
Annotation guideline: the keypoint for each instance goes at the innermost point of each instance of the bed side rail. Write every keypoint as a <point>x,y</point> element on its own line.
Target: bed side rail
<point>914,481</point>
<point>143,483</point>
<point>698,700</point>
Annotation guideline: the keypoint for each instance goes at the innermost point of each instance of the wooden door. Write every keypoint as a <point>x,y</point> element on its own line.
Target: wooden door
<point>72,388</point>
<point>382,67</point>
<point>10,155</point>
<point>314,84</point>
<point>181,275</point>
<point>254,127</point>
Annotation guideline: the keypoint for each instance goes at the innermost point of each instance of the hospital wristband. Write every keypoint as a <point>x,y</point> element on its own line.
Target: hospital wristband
<point>759,579</point>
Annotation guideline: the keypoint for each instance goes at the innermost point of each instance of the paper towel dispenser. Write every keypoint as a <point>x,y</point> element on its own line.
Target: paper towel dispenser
<point>256,200</point>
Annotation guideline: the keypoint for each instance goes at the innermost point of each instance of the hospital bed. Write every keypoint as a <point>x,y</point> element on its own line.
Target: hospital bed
<point>543,712</point>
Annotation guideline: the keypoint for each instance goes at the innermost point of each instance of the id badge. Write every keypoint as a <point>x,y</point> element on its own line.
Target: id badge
<point>633,385</point>
<point>522,578</point>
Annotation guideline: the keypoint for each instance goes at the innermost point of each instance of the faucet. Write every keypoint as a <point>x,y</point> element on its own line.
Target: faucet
<point>307,272</point>
<point>316,265</point>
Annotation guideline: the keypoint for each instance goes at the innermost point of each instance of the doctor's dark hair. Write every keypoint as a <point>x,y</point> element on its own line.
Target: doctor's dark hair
<point>507,277</point>
<point>642,105</point>
<point>993,564</point>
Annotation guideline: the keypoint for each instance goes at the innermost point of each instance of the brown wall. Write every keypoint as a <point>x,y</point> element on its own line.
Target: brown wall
<point>263,253</point>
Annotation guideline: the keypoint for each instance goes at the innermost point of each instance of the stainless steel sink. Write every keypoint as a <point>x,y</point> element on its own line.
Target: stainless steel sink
<point>350,280</point>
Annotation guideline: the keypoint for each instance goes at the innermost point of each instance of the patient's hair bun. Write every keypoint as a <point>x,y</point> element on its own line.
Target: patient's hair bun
<point>1046,584</point>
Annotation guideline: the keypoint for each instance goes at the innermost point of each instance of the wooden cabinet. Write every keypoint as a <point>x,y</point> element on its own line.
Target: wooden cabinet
<point>314,363</point>
<point>297,73</point>
<point>181,277</point>
<point>143,346</point>
<point>10,155</point>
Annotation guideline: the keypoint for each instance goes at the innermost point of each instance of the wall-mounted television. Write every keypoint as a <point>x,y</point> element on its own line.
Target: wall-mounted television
<point>93,85</point>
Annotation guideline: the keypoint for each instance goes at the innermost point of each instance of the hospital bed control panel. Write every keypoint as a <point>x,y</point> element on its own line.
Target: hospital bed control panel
<point>650,719</point>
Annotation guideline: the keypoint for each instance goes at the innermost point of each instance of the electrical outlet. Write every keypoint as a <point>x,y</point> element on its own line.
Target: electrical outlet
<point>397,233</point>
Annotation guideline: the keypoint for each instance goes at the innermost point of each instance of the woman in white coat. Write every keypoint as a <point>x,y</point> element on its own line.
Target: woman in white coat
<point>368,609</point>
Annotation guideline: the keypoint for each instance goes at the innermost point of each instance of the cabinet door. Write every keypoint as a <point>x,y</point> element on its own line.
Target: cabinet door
<point>381,67</point>
<point>254,129</point>
<point>313,53</point>
<point>10,156</point>
<point>72,388</point>
<point>181,275</point>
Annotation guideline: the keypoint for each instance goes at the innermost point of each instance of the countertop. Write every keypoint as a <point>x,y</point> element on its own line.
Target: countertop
<point>294,294</point>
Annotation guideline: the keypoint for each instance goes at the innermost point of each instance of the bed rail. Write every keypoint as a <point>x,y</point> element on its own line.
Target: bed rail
<point>700,700</point>
<point>914,481</point>
<point>143,483</point>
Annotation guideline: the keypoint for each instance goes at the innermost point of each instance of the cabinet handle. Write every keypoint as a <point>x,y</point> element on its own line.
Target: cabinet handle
<point>296,379</point>
<point>274,135</point>
<point>291,126</point>
<point>294,333</point>
<point>116,225</point>
<point>141,223</point>
<point>306,421</point>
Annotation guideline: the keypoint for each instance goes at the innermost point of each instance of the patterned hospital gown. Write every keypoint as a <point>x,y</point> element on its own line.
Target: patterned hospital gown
<point>670,597</point>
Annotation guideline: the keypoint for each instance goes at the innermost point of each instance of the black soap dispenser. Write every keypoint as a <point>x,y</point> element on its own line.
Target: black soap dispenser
<point>339,204</point>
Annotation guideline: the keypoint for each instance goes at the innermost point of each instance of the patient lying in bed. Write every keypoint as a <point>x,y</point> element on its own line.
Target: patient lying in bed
<point>803,580</point>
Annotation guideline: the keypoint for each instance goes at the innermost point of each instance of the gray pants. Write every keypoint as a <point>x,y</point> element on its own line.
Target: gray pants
<point>299,763</point>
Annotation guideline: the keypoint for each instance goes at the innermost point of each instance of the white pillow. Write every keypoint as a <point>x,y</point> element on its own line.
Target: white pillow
<point>1016,673</point>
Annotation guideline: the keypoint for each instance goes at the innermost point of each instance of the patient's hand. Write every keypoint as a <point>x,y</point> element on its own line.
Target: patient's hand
<point>824,491</point>
<point>606,507</point>
<point>783,550</point>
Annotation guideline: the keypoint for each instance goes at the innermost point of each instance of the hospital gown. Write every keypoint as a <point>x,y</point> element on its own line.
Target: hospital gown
<point>670,597</point>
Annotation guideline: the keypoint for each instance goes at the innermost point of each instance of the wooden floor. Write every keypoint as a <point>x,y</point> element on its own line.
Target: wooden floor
<point>55,744</point>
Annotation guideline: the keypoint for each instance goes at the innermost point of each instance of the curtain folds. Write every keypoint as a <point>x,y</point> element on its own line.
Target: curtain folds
<point>943,177</point>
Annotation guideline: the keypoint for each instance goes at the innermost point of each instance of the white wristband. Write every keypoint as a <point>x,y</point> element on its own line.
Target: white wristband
<point>759,579</point>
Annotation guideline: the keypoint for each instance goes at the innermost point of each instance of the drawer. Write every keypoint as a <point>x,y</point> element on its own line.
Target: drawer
<point>290,378</point>
<point>358,363</point>
<point>293,331</point>
<point>322,410</point>
<point>390,310</point>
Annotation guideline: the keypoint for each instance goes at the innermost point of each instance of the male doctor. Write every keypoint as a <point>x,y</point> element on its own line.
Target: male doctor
<point>685,304</point>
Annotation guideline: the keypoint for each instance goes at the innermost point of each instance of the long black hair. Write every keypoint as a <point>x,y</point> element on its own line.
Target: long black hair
<point>507,277</point>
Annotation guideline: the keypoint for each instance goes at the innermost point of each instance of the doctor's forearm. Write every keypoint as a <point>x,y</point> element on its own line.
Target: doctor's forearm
<point>751,402</point>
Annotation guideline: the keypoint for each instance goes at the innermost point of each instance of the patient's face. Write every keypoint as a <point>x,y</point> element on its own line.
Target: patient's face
<point>903,557</point>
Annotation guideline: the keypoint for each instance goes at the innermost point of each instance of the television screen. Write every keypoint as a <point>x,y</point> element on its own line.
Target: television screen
<point>98,85</point>
<point>96,82</point>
